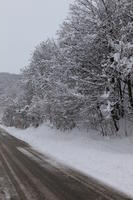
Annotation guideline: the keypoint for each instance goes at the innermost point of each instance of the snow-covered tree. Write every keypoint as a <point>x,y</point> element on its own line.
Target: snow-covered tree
<point>85,77</point>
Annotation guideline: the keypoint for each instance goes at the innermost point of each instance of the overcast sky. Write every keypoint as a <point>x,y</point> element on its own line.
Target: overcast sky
<point>24,24</point>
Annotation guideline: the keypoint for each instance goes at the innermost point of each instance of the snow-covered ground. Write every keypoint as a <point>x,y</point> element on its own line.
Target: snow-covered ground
<point>107,159</point>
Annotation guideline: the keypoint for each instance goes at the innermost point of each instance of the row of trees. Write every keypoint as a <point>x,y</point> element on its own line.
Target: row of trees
<point>84,78</point>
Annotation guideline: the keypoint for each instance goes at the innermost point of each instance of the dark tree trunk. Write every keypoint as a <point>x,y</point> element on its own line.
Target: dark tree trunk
<point>121,98</point>
<point>130,90</point>
<point>115,124</point>
<point>115,118</point>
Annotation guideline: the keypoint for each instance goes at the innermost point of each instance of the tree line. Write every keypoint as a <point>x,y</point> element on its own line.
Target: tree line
<point>83,78</point>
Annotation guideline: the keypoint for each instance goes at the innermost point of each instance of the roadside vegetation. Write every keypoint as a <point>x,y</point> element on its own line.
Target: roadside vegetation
<point>83,78</point>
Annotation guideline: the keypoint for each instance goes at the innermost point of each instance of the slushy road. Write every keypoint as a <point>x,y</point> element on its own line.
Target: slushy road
<point>28,175</point>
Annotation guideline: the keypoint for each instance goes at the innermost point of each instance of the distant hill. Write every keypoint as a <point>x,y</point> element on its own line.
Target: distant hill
<point>9,88</point>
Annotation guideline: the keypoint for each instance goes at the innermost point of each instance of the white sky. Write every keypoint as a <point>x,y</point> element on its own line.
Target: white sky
<point>24,24</point>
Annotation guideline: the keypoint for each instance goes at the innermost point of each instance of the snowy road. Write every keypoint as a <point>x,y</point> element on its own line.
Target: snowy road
<point>28,175</point>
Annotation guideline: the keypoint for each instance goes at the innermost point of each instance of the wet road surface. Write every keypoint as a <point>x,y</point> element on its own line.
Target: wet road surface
<point>28,175</point>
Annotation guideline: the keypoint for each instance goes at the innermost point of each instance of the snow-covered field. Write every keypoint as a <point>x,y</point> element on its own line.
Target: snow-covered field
<point>107,159</point>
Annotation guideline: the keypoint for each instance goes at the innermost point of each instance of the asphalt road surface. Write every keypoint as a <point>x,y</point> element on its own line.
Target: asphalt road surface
<point>28,175</point>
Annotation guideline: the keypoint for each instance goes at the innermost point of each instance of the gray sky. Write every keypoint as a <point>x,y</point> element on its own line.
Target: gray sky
<point>24,24</point>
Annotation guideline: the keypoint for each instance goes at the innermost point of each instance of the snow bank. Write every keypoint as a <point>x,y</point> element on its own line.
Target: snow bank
<point>109,160</point>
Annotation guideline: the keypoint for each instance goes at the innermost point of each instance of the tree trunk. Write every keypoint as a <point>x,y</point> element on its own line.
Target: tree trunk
<point>130,90</point>
<point>121,98</point>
